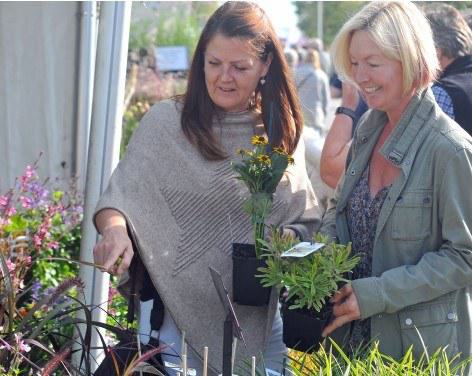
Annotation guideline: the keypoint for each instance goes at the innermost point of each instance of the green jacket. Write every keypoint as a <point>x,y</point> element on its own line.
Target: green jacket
<point>422,258</point>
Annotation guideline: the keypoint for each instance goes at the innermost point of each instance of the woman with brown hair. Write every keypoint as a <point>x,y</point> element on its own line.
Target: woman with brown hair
<point>175,196</point>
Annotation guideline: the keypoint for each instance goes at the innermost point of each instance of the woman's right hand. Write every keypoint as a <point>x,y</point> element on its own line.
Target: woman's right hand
<point>114,251</point>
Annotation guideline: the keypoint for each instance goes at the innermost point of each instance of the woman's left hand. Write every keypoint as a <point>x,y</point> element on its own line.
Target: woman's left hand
<point>345,309</point>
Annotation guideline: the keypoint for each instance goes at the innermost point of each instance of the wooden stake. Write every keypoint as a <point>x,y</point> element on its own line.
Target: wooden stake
<point>184,365</point>
<point>205,361</point>
<point>253,367</point>
<point>233,354</point>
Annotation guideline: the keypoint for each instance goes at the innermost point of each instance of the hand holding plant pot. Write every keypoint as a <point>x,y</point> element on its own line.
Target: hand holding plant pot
<point>306,283</point>
<point>261,171</point>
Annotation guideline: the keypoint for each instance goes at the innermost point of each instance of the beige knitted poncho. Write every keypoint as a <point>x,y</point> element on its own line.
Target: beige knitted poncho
<point>186,211</point>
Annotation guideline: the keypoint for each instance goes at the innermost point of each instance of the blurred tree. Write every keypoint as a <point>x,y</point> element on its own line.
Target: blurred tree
<point>168,23</point>
<point>336,13</point>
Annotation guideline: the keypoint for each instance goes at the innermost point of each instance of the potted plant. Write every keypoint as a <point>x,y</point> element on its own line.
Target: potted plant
<point>306,284</point>
<point>261,170</point>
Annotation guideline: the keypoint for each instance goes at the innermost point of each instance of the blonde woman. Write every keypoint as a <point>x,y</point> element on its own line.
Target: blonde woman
<point>404,200</point>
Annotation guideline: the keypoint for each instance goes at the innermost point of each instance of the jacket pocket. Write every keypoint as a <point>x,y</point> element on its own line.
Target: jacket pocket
<point>412,215</point>
<point>430,326</point>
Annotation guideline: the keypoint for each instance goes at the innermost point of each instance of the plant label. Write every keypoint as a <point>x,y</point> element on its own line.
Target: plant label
<point>302,249</point>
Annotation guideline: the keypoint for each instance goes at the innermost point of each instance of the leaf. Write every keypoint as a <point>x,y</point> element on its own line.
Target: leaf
<point>17,224</point>
<point>57,195</point>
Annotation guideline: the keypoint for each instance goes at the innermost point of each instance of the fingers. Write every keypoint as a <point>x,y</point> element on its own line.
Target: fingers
<point>125,261</point>
<point>342,294</point>
<point>345,309</point>
<point>114,251</point>
<point>335,324</point>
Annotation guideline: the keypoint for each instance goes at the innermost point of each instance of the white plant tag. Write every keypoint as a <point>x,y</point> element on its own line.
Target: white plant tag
<point>302,249</point>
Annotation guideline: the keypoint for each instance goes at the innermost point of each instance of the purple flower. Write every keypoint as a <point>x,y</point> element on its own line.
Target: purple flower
<point>36,290</point>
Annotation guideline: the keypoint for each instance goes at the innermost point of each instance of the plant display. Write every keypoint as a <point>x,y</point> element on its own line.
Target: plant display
<point>261,170</point>
<point>309,280</point>
<point>370,361</point>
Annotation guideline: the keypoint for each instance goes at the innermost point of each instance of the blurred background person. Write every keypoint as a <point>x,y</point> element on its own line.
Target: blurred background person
<point>325,60</point>
<point>453,40</point>
<point>291,56</point>
<point>313,90</point>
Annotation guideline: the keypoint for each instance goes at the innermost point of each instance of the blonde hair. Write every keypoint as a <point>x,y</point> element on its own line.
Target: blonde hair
<point>313,58</point>
<point>401,32</point>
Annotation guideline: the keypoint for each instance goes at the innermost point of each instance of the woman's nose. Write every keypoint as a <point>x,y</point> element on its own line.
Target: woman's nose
<point>226,74</point>
<point>360,74</point>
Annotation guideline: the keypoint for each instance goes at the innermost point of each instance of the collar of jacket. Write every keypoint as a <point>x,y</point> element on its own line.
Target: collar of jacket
<point>461,64</point>
<point>400,147</point>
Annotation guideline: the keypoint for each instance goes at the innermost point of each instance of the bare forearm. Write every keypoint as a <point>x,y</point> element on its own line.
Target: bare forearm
<point>335,149</point>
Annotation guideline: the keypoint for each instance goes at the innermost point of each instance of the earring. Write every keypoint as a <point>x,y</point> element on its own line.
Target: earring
<point>262,81</point>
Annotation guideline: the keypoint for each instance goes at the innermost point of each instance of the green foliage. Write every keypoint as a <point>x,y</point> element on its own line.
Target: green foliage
<point>140,35</point>
<point>370,362</point>
<point>335,14</point>
<point>183,23</point>
<point>50,274</point>
<point>310,280</point>
<point>172,24</point>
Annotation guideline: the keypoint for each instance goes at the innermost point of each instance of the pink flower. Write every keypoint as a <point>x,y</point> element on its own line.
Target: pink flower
<point>5,345</point>
<point>26,202</point>
<point>10,265</point>
<point>10,211</point>
<point>53,245</point>
<point>4,201</point>
<point>30,171</point>
<point>37,241</point>
<point>22,346</point>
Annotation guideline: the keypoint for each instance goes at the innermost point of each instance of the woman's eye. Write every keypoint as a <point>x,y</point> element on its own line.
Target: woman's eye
<point>241,69</point>
<point>213,63</point>
<point>354,64</point>
<point>372,65</point>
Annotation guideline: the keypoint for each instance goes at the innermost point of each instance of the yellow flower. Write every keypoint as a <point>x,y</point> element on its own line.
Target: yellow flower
<point>290,160</point>
<point>264,158</point>
<point>279,150</point>
<point>258,140</point>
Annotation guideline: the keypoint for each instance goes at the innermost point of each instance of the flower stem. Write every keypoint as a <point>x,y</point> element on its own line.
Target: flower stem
<point>258,235</point>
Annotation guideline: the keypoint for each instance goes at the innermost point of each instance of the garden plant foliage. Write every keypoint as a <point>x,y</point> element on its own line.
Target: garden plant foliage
<point>309,280</point>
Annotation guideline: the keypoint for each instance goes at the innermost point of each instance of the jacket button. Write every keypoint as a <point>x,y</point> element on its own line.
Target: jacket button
<point>451,316</point>
<point>408,321</point>
<point>352,172</point>
<point>364,139</point>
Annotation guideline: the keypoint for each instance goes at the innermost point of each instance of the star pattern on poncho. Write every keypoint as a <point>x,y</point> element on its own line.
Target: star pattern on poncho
<point>209,220</point>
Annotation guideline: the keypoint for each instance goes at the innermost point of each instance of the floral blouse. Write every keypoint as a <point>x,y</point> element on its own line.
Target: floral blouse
<point>362,214</point>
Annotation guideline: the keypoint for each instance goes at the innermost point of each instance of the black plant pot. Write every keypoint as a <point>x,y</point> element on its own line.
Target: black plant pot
<point>247,288</point>
<point>302,327</point>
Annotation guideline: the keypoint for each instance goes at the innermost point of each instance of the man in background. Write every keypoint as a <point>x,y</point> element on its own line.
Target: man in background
<point>453,39</point>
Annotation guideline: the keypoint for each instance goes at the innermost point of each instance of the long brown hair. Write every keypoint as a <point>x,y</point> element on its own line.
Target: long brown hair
<point>276,99</point>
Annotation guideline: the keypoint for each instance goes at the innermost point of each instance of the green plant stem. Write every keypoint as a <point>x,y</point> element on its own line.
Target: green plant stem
<point>258,235</point>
